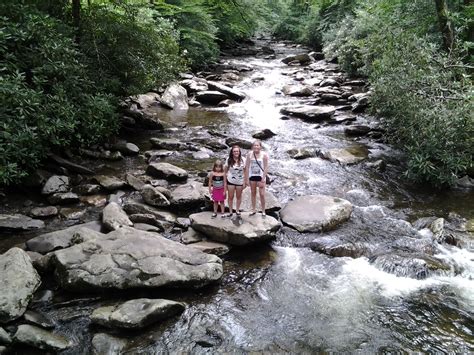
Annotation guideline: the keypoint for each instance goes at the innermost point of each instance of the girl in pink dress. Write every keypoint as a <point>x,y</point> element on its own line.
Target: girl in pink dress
<point>217,187</point>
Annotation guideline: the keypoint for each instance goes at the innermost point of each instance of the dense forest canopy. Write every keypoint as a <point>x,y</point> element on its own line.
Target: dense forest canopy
<point>66,64</point>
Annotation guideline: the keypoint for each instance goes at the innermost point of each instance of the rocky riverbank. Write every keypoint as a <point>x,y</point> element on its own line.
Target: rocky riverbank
<point>132,214</point>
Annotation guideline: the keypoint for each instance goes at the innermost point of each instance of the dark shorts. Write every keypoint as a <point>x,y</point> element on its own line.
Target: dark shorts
<point>255,178</point>
<point>231,184</point>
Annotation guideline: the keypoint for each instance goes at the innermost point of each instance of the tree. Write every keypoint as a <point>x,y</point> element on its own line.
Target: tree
<point>445,25</point>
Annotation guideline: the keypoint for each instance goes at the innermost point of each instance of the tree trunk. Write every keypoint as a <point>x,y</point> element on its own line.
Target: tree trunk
<point>445,25</point>
<point>76,17</point>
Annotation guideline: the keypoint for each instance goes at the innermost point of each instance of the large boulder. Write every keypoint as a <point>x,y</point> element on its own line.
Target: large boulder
<point>129,258</point>
<point>210,97</point>
<point>297,90</point>
<point>145,100</point>
<point>231,93</point>
<point>40,338</point>
<point>134,207</point>
<point>166,171</point>
<point>175,97</point>
<point>56,183</point>
<point>135,314</point>
<point>190,195</point>
<point>310,113</point>
<point>253,229</point>
<point>271,202</point>
<point>303,58</point>
<point>155,196</point>
<point>114,217</point>
<point>346,156</point>
<point>63,198</point>
<point>194,85</point>
<point>63,238</point>
<point>110,183</point>
<point>19,222</point>
<point>316,213</point>
<point>18,280</point>
<point>264,134</point>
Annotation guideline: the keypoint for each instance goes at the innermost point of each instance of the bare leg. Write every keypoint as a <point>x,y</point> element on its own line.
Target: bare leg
<point>231,192</point>
<point>222,207</point>
<point>261,191</point>
<point>253,195</point>
<point>215,205</point>
<point>238,192</point>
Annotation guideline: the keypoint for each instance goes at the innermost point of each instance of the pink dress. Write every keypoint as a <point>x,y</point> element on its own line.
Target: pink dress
<point>218,191</point>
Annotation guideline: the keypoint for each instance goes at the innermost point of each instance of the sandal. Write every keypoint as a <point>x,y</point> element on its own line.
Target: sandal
<point>214,215</point>
<point>252,213</point>
<point>224,216</point>
<point>230,215</point>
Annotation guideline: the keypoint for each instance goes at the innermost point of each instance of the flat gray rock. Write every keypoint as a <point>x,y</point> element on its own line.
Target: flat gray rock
<point>210,97</point>
<point>209,247</point>
<point>105,344</point>
<point>253,229</point>
<point>314,213</point>
<point>110,183</point>
<point>19,222</point>
<point>133,207</point>
<point>310,113</point>
<point>346,156</point>
<point>114,217</point>
<point>129,258</point>
<point>40,338</point>
<point>56,183</point>
<point>63,198</point>
<point>175,97</point>
<point>155,196</point>
<point>167,171</point>
<point>60,239</point>
<point>18,280</point>
<point>191,236</point>
<point>226,90</point>
<point>190,195</point>
<point>5,338</point>
<point>135,314</point>
<point>271,202</point>
<point>44,212</point>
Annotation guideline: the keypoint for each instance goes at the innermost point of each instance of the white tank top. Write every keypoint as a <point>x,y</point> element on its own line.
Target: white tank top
<point>255,169</point>
<point>235,173</point>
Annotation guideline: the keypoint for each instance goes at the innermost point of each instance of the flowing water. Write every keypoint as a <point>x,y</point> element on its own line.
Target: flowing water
<point>285,297</point>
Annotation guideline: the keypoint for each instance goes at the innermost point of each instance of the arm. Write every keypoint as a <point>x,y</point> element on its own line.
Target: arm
<point>210,182</point>
<point>265,167</point>
<point>246,171</point>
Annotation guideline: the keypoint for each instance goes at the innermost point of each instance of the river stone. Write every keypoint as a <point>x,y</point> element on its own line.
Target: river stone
<point>211,247</point>
<point>19,222</point>
<point>191,236</point>
<point>300,58</point>
<point>63,198</point>
<point>63,238</point>
<point>39,319</point>
<point>147,220</point>
<point>346,156</point>
<point>210,97</point>
<point>314,213</point>
<point>105,344</point>
<point>310,113</point>
<point>134,182</point>
<point>166,171</point>
<point>133,207</point>
<point>194,85</point>
<point>231,93</point>
<point>135,314</point>
<point>88,189</point>
<point>302,153</point>
<point>190,195</point>
<point>175,97</point>
<point>167,144</point>
<point>4,337</point>
<point>357,130</point>
<point>145,100</point>
<point>253,229</point>
<point>71,213</point>
<point>126,148</point>
<point>3,350</point>
<point>148,227</point>
<point>18,280</point>
<point>110,183</point>
<point>154,196</point>
<point>114,217</point>
<point>242,143</point>
<point>297,90</point>
<point>271,202</point>
<point>264,134</point>
<point>129,258</point>
<point>70,165</point>
<point>40,338</point>
<point>332,246</point>
<point>56,183</point>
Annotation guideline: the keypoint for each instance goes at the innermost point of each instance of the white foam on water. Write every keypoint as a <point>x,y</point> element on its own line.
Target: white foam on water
<point>289,259</point>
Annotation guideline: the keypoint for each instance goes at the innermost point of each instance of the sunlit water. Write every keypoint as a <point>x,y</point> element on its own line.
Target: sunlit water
<point>286,297</point>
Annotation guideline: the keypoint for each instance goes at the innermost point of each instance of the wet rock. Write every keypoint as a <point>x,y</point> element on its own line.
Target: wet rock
<point>110,183</point>
<point>190,195</point>
<point>339,118</point>
<point>201,155</point>
<point>297,90</point>
<point>105,344</point>
<point>64,238</point>
<point>317,55</point>
<point>136,314</point>
<point>191,236</point>
<point>438,229</point>
<point>346,156</point>
<point>464,182</point>
<point>242,143</point>
<point>211,247</point>
<point>69,165</point>
<point>148,227</point>
<point>299,58</point>
<point>211,143</point>
<point>361,104</point>
<point>114,217</point>
<point>65,198</point>
<point>136,207</point>
<point>271,202</point>
<point>167,171</point>
<point>175,97</point>
<point>470,225</point>
<point>330,97</point>
<point>332,246</point>
<point>357,130</point>
<point>230,77</point>
<point>72,213</point>
<point>413,266</point>
<point>43,212</point>
<point>264,134</point>
<point>168,144</point>
<point>194,85</point>
<point>210,97</point>
<point>135,182</point>
<point>226,103</point>
<point>126,148</point>
<point>18,223</point>
<point>378,165</point>
<point>355,82</point>
<point>315,213</point>
<point>145,100</point>
<point>39,319</point>
<point>129,258</point>
<point>19,280</point>
<point>88,189</point>
<point>147,219</point>
<point>94,200</point>
<point>310,113</point>
<point>358,197</point>
<point>4,337</point>
<point>329,82</point>
<point>302,153</point>
<point>40,262</point>
<point>56,183</point>
<point>40,338</point>
<point>253,229</point>
<point>229,92</point>
<point>155,196</point>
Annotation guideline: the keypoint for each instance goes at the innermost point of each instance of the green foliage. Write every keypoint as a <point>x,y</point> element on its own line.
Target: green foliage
<point>46,97</point>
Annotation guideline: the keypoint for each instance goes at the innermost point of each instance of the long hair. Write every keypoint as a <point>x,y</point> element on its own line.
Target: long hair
<point>216,164</point>
<point>231,161</point>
